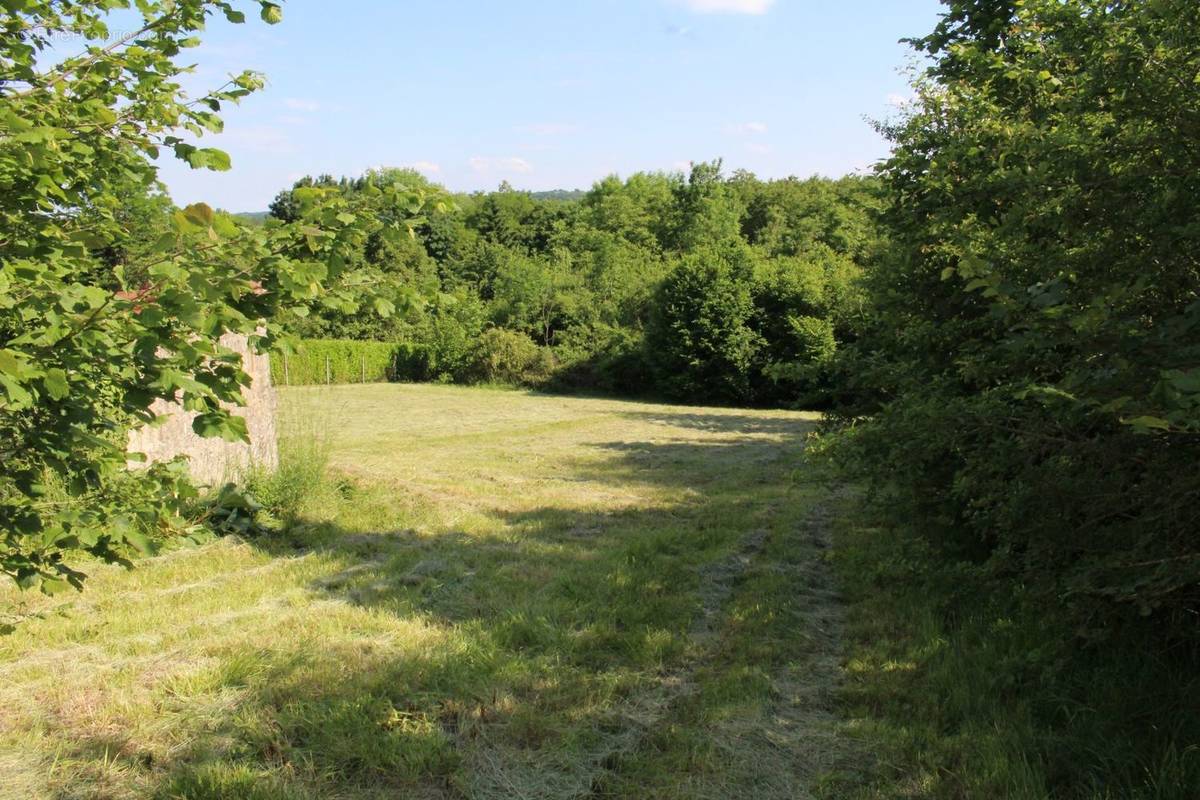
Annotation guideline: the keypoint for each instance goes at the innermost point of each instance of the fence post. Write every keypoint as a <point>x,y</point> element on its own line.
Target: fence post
<point>328,379</point>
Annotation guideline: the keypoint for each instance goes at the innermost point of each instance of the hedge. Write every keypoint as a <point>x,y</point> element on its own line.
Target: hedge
<point>498,355</point>
<point>339,361</point>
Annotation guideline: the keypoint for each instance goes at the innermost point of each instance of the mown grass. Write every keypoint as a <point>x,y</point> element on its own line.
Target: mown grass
<point>483,594</point>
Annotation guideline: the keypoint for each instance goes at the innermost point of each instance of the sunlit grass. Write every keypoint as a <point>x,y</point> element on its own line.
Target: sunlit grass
<point>484,594</point>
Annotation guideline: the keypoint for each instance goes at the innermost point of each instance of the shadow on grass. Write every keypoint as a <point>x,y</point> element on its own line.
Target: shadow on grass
<point>520,662</point>
<point>724,422</point>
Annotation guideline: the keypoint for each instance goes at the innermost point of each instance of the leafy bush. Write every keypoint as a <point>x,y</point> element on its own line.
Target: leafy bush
<point>814,347</point>
<point>802,311</point>
<point>96,323</point>
<point>446,336</point>
<point>815,342</point>
<point>504,356</point>
<point>604,357</point>
<point>1035,357</point>
<point>1042,339</point>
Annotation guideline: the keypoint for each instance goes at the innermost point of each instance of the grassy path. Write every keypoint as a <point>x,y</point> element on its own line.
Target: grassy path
<point>495,595</point>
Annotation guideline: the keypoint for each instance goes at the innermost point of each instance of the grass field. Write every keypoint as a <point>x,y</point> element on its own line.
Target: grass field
<point>491,594</point>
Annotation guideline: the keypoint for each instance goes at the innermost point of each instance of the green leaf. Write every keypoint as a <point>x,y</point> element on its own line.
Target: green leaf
<point>208,158</point>
<point>53,586</point>
<point>9,364</point>
<point>271,13</point>
<point>199,213</point>
<point>126,529</point>
<point>225,225</point>
<point>18,396</point>
<point>56,383</point>
<point>221,424</point>
<point>383,306</point>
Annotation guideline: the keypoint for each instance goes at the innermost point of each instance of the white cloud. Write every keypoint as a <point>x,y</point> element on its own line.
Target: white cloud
<point>728,6</point>
<point>748,128</point>
<point>300,104</point>
<point>424,166</point>
<point>758,148</point>
<point>504,164</point>
<point>548,129</point>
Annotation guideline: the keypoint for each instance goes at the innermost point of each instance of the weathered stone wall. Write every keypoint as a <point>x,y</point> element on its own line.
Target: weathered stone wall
<point>213,461</point>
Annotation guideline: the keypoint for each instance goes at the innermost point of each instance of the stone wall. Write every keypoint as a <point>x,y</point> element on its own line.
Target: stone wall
<point>213,461</point>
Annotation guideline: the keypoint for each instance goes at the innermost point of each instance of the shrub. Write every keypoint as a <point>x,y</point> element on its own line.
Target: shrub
<point>815,342</point>
<point>445,337</point>
<point>604,357</point>
<point>1036,352</point>
<point>504,356</point>
<point>1038,333</point>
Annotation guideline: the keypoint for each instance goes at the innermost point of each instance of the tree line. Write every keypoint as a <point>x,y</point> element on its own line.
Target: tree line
<point>700,287</point>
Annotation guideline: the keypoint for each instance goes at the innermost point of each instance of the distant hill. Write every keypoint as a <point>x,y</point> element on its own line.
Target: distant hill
<point>253,217</point>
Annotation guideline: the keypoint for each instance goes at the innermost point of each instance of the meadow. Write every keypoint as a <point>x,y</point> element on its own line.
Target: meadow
<point>453,592</point>
<point>480,593</point>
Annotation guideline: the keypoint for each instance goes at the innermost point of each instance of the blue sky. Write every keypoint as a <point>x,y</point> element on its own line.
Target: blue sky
<point>552,93</point>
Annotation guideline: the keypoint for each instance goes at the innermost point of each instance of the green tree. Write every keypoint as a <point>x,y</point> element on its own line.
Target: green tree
<point>791,216</point>
<point>700,339</point>
<point>804,308</point>
<point>1046,284</point>
<point>95,327</point>
<point>535,294</point>
<point>641,210</point>
<point>708,211</point>
<point>1036,354</point>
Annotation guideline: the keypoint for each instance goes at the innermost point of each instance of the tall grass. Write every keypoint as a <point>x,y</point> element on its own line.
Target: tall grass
<point>298,483</point>
<point>964,694</point>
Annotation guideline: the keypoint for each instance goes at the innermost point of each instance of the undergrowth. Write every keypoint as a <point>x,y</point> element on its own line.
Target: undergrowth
<point>965,691</point>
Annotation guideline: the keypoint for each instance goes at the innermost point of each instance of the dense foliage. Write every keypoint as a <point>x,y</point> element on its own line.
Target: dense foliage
<point>701,287</point>
<point>1038,340</point>
<point>109,297</point>
<point>1029,389</point>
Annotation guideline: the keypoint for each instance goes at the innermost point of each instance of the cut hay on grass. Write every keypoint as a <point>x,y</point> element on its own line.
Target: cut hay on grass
<point>479,593</point>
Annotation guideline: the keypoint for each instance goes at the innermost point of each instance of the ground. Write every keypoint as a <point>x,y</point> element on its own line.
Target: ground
<point>492,594</point>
